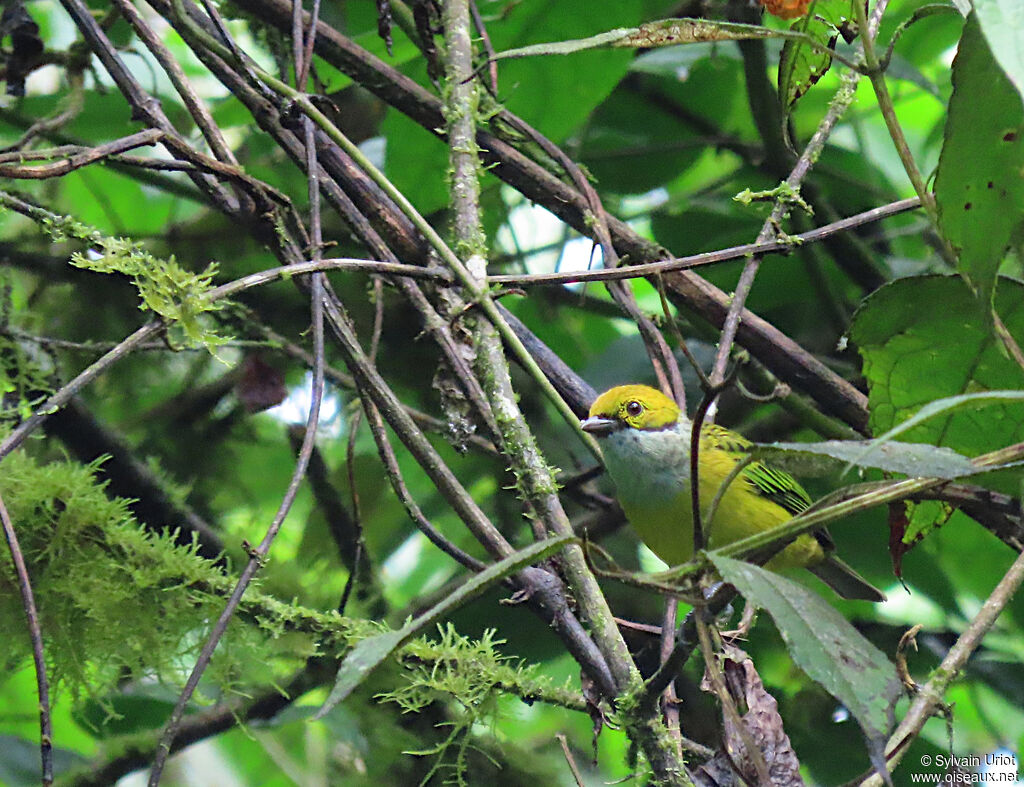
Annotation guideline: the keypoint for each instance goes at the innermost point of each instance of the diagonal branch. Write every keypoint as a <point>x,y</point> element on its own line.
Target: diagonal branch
<point>36,635</point>
<point>784,357</point>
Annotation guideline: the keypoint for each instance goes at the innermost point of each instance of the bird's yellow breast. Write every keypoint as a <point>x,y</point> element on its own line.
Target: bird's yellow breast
<point>658,501</point>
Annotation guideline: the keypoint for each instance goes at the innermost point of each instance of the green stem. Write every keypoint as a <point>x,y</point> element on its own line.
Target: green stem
<point>876,73</point>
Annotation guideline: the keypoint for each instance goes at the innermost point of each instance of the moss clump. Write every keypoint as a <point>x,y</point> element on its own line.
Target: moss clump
<point>118,602</point>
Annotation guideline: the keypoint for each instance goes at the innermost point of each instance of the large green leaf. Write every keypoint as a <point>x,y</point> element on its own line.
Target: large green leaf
<point>627,157</point>
<point>528,86</point>
<point>979,188</point>
<point>1002,22</point>
<point>825,646</point>
<point>923,339</point>
<point>913,459</point>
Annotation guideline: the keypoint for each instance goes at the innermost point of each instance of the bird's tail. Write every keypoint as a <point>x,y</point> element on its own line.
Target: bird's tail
<point>846,582</point>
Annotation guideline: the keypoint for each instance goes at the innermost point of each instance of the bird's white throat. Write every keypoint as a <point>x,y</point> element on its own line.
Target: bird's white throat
<point>648,466</point>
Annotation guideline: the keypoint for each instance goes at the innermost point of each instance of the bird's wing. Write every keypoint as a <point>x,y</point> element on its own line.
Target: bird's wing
<point>776,485</point>
<point>779,487</point>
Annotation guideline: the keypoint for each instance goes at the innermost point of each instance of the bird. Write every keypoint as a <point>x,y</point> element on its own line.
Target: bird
<point>645,442</point>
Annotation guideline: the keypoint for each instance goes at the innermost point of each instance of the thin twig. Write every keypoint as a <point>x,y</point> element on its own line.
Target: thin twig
<point>673,325</point>
<point>481,29</point>
<point>257,556</point>
<point>287,271</point>
<point>669,702</point>
<point>350,453</point>
<point>714,674</point>
<point>394,474</point>
<point>877,76</point>
<point>770,229</point>
<point>929,696</point>
<point>298,50</point>
<point>307,52</point>
<point>53,343</point>
<point>36,636</point>
<point>63,395</point>
<point>570,760</point>
<point>773,246</point>
<point>356,544</point>
<point>81,157</point>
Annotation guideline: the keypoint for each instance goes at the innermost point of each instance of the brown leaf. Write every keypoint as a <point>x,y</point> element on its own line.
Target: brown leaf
<point>261,386</point>
<point>897,527</point>
<point>763,725</point>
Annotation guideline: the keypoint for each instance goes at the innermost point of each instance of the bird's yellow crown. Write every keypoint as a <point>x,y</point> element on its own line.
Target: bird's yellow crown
<point>638,406</point>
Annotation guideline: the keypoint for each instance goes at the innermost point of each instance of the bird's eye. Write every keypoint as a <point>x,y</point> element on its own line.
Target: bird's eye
<point>634,409</point>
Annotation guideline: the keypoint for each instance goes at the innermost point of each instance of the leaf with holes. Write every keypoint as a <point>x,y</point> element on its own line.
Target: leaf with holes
<point>979,176</point>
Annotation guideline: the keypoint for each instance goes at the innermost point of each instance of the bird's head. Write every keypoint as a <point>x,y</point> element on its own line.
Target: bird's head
<point>631,407</point>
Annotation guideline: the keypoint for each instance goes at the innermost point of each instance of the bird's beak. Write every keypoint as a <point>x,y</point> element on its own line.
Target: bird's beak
<point>599,426</point>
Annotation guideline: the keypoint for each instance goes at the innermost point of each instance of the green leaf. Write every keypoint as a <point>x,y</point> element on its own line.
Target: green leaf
<point>371,652</point>
<point>19,767</point>
<point>802,65</point>
<point>617,151</point>
<point>527,86</point>
<point>825,646</point>
<point>979,175</point>
<point>912,459</point>
<point>949,405</point>
<point>923,517</point>
<point>1002,22</point>
<point>922,340</point>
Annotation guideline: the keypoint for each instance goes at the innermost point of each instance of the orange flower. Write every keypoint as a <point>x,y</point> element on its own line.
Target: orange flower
<point>786,9</point>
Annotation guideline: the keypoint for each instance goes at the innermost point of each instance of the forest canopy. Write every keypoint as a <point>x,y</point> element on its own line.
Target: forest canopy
<point>301,308</point>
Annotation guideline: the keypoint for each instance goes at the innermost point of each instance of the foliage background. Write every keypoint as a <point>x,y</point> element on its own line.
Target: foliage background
<point>668,137</point>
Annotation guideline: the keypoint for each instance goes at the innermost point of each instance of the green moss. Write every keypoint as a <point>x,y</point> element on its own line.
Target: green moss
<point>784,193</point>
<point>24,382</point>
<point>475,675</point>
<point>177,295</point>
<point>116,601</point>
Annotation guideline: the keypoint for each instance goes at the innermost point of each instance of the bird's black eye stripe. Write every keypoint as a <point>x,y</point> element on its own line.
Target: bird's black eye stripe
<point>634,408</point>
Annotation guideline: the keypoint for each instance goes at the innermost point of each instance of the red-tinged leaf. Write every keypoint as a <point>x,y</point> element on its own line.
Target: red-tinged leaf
<point>261,385</point>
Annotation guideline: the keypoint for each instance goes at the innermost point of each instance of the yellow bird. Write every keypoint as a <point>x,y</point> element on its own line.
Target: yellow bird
<point>645,439</point>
